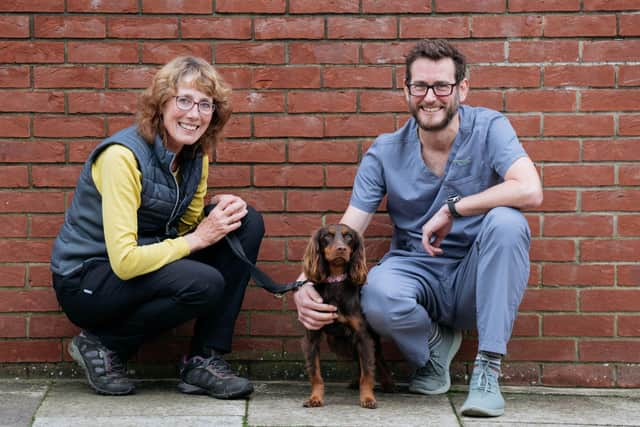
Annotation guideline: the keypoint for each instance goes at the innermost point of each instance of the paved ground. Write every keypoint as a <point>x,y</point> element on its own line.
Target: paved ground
<point>157,403</point>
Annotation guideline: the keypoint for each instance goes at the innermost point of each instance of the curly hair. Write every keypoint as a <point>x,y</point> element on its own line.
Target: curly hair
<point>201,76</point>
<point>435,50</point>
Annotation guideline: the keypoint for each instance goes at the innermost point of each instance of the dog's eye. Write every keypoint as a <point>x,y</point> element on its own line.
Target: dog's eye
<point>348,237</point>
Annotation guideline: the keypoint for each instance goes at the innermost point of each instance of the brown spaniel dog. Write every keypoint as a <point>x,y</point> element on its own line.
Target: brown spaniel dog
<point>335,263</point>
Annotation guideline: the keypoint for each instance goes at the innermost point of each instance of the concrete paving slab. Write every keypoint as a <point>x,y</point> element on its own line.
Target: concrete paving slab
<point>19,401</point>
<point>559,410</point>
<point>280,404</point>
<point>156,403</point>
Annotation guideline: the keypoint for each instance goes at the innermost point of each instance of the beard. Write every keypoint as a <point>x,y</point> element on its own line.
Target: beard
<point>451,109</point>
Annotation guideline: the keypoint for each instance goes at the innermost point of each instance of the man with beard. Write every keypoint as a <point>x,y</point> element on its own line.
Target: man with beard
<point>456,178</point>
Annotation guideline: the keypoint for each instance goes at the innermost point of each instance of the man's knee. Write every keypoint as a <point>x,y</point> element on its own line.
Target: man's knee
<point>507,225</point>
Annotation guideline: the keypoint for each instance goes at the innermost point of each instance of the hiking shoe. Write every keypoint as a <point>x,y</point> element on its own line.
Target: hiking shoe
<point>434,377</point>
<point>212,376</point>
<point>105,370</point>
<point>484,399</point>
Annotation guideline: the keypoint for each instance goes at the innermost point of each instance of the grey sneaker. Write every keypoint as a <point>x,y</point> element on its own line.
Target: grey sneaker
<point>212,376</point>
<point>434,377</point>
<point>105,370</point>
<point>484,399</point>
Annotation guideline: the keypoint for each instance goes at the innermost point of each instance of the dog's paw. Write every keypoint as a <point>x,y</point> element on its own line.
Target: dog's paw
<point>369,403</point>
<point>313,402</point>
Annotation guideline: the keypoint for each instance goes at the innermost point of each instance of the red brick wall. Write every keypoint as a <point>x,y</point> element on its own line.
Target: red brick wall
<point>314,82</point>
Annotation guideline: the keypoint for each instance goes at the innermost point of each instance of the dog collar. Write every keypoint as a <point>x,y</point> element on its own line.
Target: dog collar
<point>337,279</point>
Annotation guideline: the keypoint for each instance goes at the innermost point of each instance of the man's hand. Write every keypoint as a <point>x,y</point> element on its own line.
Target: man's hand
<point>312,313</point>
<point>435,230</point>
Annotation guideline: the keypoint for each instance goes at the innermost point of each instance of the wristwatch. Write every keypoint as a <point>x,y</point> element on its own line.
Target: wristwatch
<point>451,204</point>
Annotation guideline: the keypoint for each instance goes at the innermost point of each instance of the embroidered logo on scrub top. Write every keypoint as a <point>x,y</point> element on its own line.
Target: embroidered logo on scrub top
<point>462,162</point>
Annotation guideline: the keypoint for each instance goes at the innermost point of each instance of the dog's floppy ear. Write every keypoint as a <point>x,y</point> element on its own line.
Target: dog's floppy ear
<point>358,268</point>
<point>313,263</point>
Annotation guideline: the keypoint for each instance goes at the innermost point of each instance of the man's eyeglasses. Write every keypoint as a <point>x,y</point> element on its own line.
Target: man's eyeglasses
<point>185,103</point>
<point>439,89</point>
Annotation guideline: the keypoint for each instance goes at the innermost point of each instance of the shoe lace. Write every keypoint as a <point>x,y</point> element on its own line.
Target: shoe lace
<point>113,364</point>
<point>484,377</point>
<point>218,366</point>
<point>433,366</point>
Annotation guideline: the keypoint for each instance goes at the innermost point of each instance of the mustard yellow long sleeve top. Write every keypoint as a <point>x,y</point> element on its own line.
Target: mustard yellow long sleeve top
<point>119,182</point>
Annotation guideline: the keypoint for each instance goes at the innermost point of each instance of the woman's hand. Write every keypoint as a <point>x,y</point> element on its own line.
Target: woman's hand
<point>225,217</point>
<point>312,313</point>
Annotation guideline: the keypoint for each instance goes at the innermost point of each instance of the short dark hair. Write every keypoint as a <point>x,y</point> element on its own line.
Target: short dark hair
<point>436,49</point>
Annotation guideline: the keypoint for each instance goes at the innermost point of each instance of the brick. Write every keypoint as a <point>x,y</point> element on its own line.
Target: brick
<point>629,124</point>
<point>86,27</point>
<point>362,28</point>
<point>579,25</point>
<point>272,250</point>
<point>263,200</point>
<point>45,225</point>
<point>286,78</point>
<point>578,125</point>
<point>102,102</point>
<point>257,102</point>
<point>385,53</point>
<point>309,151</point>
<point>544,6</point>
<point>216,28</point>
<point>544,51</point>
<point>250,53</point>
<point>51,326</point>
<point>612,200</point>
<point>100,52</point>
<point>14,176</point>
<point>323,52</point>
<point>526,325</point>
<point>69,77</point>
<point>229,176</point>
<point>558,150</point>
<point>116,123</point>
<point>578,175</point>
<point>578,375</point>
<point>377,101</point>
<point>13,226</point>
<point>628,325</point>
<point>111,6</point>
<point>628,75</point>
<point>507,26</point>
<point>486,98</point>
<point>288,126</point>
<point>314,200</point>
<point>39,275</point>
<point>579,75</point>
<point>162,52</point>
<point>629,275</point>
<point>449,27</point>
<point>553,250</point>
<point>359,77</point>
<point>31,351</point>
<point>549,300</point>
<point>31,151</point>
<point>68,126</point>
<point>628,376</point>
<point>629,175</point>
<point>609,351</point>
<point>26,52</point>
<point>593,5</point>
<point>288,176</point>
<point>541,100</point>
<point>554,350</point>
<point>14,76</point>
<point>251,6</point>
<point>558,201</point>
<point>14,26</point>
<point>254,151</point>
<point>12,275</point>
<point>629,225</point>
<point>324,6</point>
<point>334,101</point>
<point>610,50</point>
<point>55,176</point>
<point>360,125</point>
<point>12,327</point>
<point>177,6</point>
<point>255,299</point>
<point>567,325</point>
<point>288,28</point>
<point>31,201</point>
<point>610,99</point>
<point>563,274</point>
<point>30,101</point>
<point>266,323</point>
<point>504,76</point>
<point>398,6</point>
<point>487,6</point>
<point>483,51</point>
<point>239,126</point>
<point>578,225</point>
<point>130,77</point>
<point>340,176</point>
<point>32,6</point>
<point>25,251</point>
<point>32,300</point>
<point>142,28</point>
<point>277,225</point>
<point>237,77</point>
<point>610,250</point>
<point>602,150</point>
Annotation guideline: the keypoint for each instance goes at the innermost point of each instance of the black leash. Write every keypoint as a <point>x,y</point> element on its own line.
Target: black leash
<point>260,277</point>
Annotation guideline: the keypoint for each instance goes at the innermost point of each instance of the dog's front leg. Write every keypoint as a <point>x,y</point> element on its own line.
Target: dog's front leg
<point>311,349</point>
<point>366,354</point>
